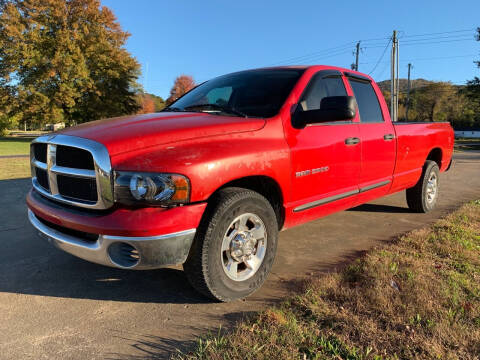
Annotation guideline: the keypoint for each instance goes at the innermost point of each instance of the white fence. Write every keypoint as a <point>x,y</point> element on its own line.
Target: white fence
<point>468,134</point>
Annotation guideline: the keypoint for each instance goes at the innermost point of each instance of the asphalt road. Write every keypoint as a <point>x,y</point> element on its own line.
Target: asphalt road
<point>53,305</point>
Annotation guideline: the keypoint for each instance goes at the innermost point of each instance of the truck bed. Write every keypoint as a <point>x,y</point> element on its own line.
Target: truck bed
<point>415,141</point>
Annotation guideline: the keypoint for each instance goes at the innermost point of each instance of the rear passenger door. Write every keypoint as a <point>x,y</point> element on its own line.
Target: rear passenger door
<point>378,144</point>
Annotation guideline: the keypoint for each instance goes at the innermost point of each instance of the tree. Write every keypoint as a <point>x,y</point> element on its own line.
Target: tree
<point>147,105</point>
<point>430,101</point>
<point>64,60</point>
<point>182,84</point>
<point>158,101</point>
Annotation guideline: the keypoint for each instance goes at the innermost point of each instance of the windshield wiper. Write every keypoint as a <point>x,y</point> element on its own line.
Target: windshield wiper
<point>173,109</point>
<point>224,109</point>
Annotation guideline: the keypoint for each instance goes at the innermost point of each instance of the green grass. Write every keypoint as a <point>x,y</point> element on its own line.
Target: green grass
<point>467,140</point>
<point>467,144</point>
<point>14,168</point>
<point>14,146</point>
<point>418,297</point>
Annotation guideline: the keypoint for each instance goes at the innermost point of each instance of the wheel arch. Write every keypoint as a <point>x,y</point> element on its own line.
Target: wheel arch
<point>265,186</point>
<point>436,155</point>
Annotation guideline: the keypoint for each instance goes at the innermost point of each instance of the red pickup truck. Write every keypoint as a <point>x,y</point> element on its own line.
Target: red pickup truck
<point>211,180</point>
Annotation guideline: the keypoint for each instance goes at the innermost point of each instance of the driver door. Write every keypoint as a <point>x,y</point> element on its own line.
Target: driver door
<point>325,156</point>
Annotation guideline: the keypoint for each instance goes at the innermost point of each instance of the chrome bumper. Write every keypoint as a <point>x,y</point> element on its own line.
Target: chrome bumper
<point>139,253</point>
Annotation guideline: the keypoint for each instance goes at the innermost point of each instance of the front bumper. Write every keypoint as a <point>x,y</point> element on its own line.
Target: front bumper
<point>124,252</point>
<point>141,238</point>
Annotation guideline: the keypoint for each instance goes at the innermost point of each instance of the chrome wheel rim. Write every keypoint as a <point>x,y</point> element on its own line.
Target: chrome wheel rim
<point>243,247</point>
<point>432,187</point>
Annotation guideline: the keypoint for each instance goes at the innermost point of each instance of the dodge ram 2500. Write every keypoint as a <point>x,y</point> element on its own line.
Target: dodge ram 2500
<point>211,180</point>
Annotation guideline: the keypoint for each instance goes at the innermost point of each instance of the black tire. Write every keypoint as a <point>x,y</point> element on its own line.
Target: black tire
<point>418,199</point>
<point>204,268</point>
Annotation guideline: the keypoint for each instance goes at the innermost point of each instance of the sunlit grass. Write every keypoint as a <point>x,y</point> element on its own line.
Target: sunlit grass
<point>418,297</point>
<point>14,146</point>
<point>14,168</point>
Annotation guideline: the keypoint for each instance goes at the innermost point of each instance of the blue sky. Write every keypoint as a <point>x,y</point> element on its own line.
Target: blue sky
<point>209,38</point>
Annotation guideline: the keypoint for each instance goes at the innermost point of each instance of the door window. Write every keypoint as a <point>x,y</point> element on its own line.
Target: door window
<point>319,88</point>
<point>368,105</point>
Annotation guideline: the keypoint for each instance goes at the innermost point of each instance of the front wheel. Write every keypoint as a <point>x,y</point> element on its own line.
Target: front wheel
<point>234,247</point>
<point>422,198</point>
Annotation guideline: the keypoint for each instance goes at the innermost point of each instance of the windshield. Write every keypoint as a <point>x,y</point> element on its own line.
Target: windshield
<point>253,93</point>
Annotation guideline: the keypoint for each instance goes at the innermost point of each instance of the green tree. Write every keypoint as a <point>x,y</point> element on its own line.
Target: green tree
<point>429,102</point>
<point>64,60</point>
<point>158,101</point>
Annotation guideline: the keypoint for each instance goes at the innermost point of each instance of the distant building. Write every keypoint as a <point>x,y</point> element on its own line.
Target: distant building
<point>54,127</point>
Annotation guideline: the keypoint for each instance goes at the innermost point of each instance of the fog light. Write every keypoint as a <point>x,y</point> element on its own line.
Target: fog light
<point>123,254</point>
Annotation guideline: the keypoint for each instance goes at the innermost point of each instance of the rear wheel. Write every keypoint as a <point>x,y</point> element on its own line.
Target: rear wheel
<point>422,198</point>
<point>234,247</point>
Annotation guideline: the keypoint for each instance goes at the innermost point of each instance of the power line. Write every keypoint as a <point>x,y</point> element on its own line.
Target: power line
<point>381,56</point>
<point>450,39</point>
<point>372,43</point>
<point>310,58</point>
<point>429,58</point>
<point>439,33</point>
<point>327,51</point>
<point>465,36</point>
<point>383,70</point>
<point>381,38</point>
<point>336,48</point>
<point>347,51</point>
<point>436,42</point>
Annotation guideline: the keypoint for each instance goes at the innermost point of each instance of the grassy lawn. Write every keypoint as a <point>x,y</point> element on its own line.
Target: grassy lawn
<point>467,140</point>
<point>14,146</point>
<point>418,297</point>
<point>14,168</point>
<point>467,144</point>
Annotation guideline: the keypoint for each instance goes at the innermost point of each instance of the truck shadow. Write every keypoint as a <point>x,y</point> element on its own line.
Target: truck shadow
<point>380,208</point>
<point>61,275</point>
<point>29,265</point>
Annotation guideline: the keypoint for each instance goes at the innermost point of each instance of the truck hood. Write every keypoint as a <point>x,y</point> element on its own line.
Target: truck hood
<point>129,133</point>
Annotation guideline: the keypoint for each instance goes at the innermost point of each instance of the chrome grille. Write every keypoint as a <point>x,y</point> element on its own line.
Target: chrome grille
<point>72,170</point>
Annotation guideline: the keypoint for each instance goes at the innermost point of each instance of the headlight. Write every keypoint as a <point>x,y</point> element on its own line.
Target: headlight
<point>133,188</point>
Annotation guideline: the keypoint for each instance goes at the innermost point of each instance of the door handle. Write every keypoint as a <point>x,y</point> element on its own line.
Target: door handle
<point>388,137</point>
<point>352,141</point>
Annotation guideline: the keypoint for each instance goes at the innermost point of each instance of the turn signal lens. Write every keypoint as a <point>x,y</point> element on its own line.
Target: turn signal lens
<point>182,188</point>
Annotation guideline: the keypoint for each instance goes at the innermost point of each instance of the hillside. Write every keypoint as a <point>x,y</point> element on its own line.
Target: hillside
<point>417,83</point>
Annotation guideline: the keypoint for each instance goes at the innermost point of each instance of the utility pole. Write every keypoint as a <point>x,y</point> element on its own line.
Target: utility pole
<point>407,105</point>
<point>397,62</point>
<point>394,82</point>
<point>356,55</point>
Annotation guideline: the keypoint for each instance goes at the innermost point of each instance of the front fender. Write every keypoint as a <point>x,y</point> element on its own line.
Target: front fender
<point>210,163</point>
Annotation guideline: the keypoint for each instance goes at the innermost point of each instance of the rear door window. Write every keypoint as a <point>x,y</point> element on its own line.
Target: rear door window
<point>368,105</point>
<point>320,87</point>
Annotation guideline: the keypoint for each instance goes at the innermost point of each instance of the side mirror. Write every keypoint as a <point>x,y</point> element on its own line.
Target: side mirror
<point>332,108</point>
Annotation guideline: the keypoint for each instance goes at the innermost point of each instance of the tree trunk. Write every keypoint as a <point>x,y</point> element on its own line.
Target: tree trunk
<point>432,111</point>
